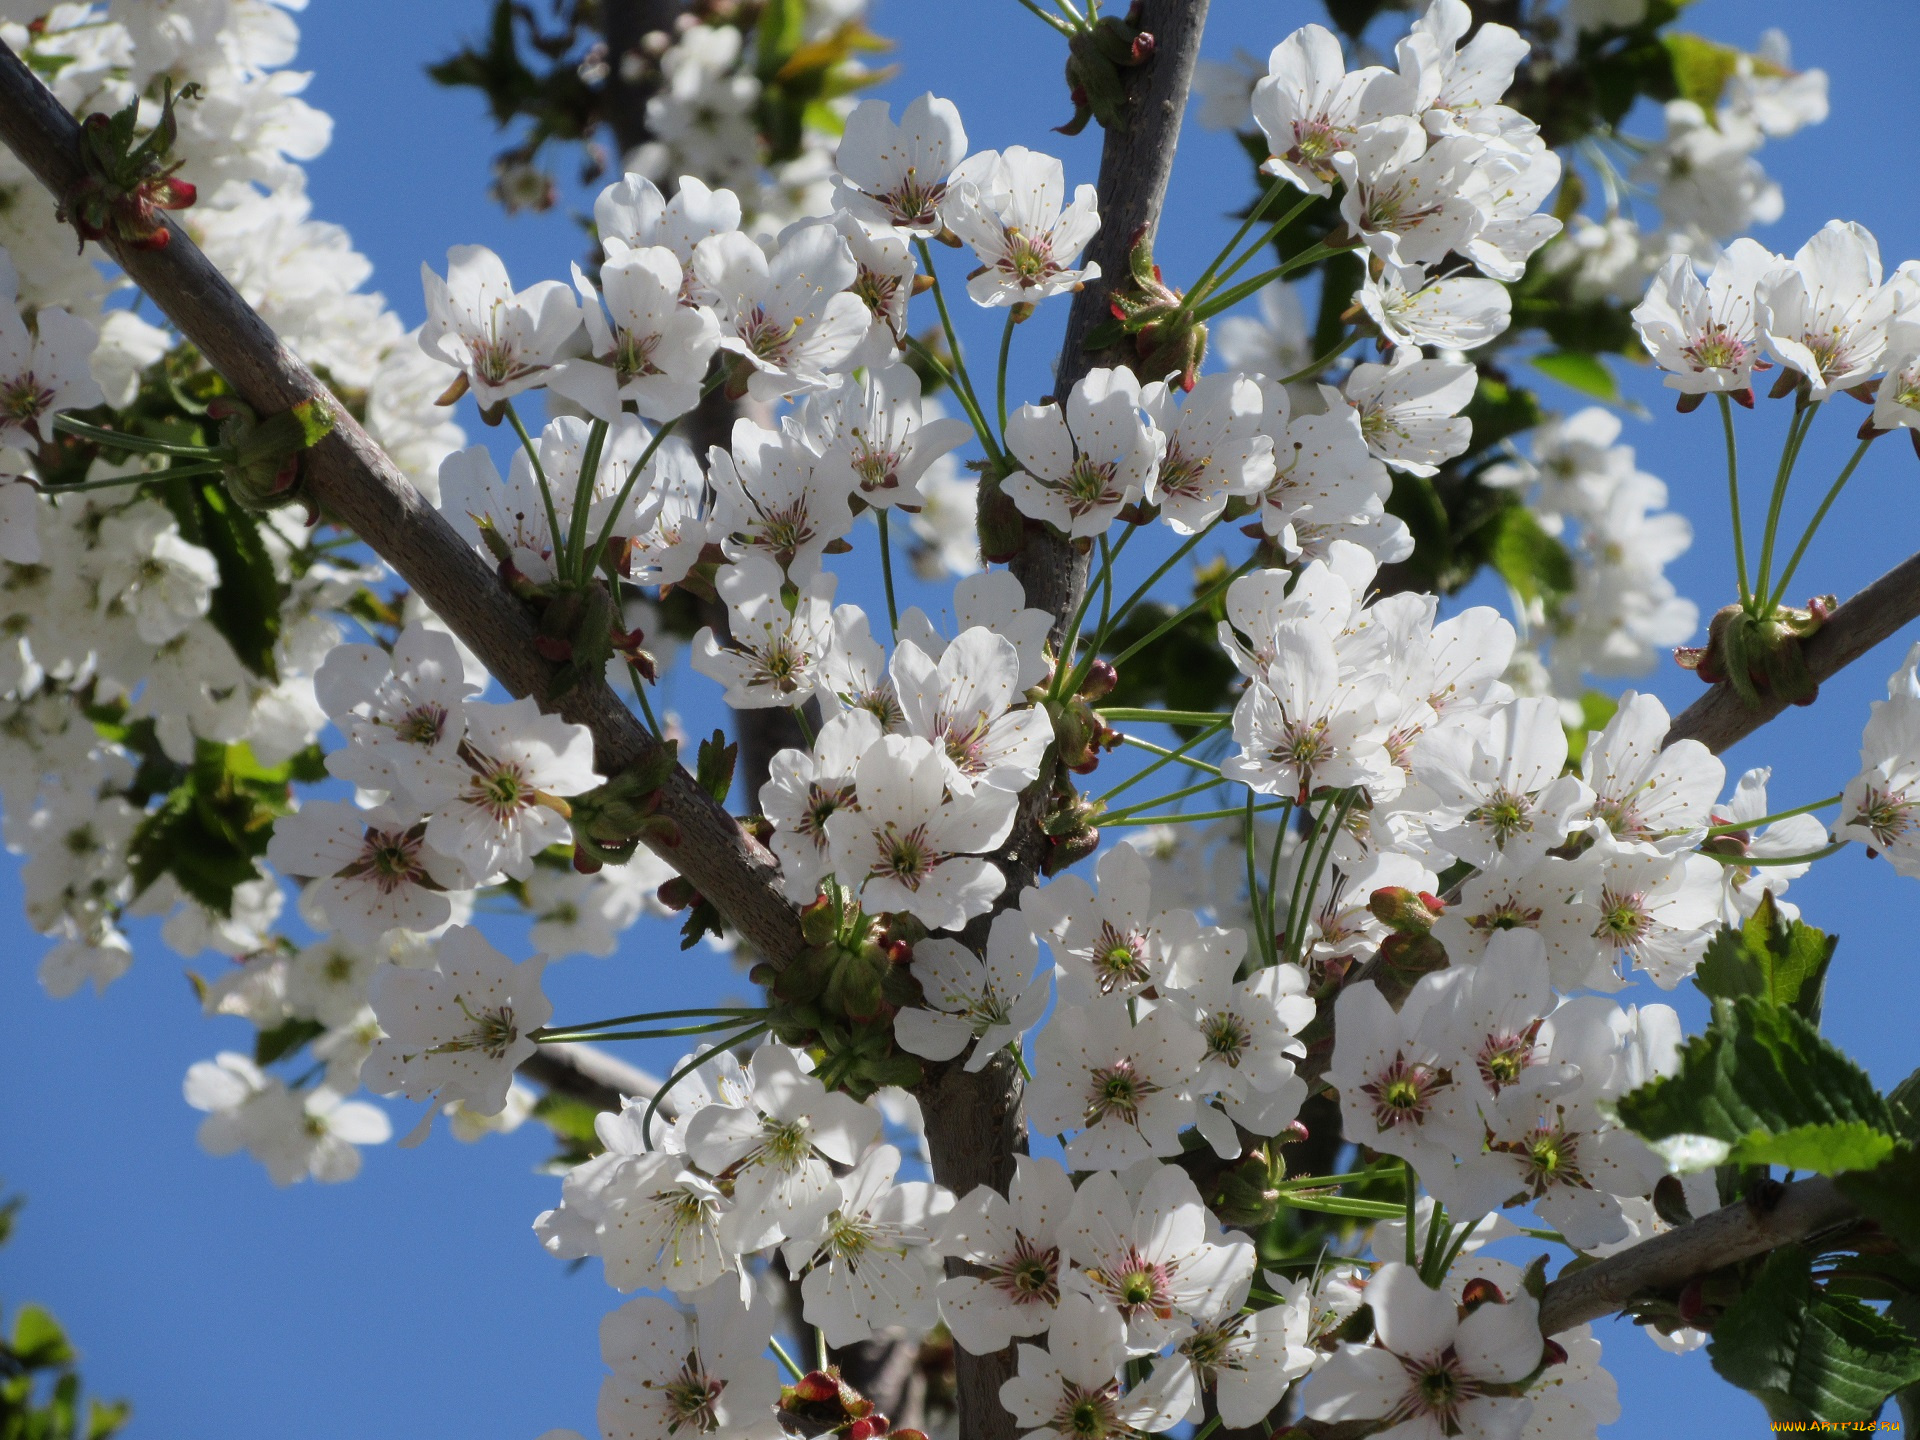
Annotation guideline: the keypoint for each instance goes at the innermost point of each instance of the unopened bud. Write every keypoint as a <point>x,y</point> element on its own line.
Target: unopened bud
<point>1101,678</point>
<point>817,1387</point>
<point>1553,1353</point>
<point>1481,1291</point>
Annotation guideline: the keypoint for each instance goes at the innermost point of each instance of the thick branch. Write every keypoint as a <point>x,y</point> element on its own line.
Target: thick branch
<point>1738,1232</point>
<point>1720,718</point>
<point>349,476</point>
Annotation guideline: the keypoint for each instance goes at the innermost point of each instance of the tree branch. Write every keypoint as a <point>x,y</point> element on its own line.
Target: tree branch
<point>1738,1232</point>
<point>349,476</point>
<point>590,1074</point>
<point>1720,718</point>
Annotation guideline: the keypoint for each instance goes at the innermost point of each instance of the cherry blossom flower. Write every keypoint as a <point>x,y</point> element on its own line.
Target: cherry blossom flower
<point>967,704</point>
<point>373,871</point>
<point>1459,313</point>
<point>1247,1360</point>
<point>43,372</point>
<point>988,1001</point>
<point>498,804</point>
<point>709,1377</point>
<point>1826,313</point>
<point>1312,110</point>
<point>1544,895</point>
<point>874,438</point>
<point>1324,476</point>
<point>651,1219</point>
<point>1303,728</point>
<point>1410,410</point>
<point>884,276</point>
<point>1485,1018</point>
<point>152,573</point>
<point>1214,448</point>
<point>1019,1241</point>
<point>670,529</point>
<point>1456,89</point>
<point>1125,1089</point>
<point>1150,1257</point>
<point>1008,206</point>
<point>774,496</point>
<point>804,788</point>
<point>1396,1093</point>
<point>790,317</point>
<point>1646,793</point>
<point>328,980</point>
<point>502,341</point>
<point>910,849</point>
<point>1657,912</point>
<point>1250,1029</point>
<point>774,656</point>
<point>778,1145</point>
<point>896,174</point>
<point>1072,1390</point>
<point>1501,776</point>
<point>632,214</point>
<point>1412,202</point>
<point>296,1134</point>
<point>1432,1371</point>
<point>1881,805</point>
<point>996,600</point>
<point>1084,462</point>
<point>459,1030</point>
<point>1704,335</point>
<point>870,1262</point>
<point>647,346</point>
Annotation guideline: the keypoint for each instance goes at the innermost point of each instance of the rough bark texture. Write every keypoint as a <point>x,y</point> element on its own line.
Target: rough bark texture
<point>357,485</point>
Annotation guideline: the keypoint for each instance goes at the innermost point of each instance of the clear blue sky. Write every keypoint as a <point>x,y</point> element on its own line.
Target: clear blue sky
<point>414,1302</point>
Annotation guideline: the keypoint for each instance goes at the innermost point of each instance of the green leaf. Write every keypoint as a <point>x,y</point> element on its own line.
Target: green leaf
<point>1889,1195</point>
<point>1761,1087</point>
<point>1701,67</point>
<point>714,768</point>
<point>1533,562</point>
<point>283,1039</point>
<point>1777,960</point>
<point>1596,709</point>
<point>1579,370</point>
<point>1809,1355</point>
<point>38,1341</point>
<point>1904,1098</point>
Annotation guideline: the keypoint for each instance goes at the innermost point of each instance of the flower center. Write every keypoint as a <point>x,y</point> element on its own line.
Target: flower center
<point>1717,349</point>
<point>1119,1091</point>
<point>1403,1092</point>
<point>1088,485</point>
<point>1031,1275</point>
<point>1507,814</point>
<point>1228,1038</point>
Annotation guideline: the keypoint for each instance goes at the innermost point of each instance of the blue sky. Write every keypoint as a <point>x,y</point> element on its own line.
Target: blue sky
<point>414,1302</point>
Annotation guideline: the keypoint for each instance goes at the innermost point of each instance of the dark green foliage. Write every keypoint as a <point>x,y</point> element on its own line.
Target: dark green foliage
<point>39,1385</point>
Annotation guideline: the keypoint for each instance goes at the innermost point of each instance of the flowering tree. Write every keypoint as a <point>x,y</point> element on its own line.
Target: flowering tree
<point>1333,1004</point>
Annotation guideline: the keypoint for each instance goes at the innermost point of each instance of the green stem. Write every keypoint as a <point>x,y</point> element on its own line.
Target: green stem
<point>640,465</point>
<point>1733,500</point>
<point>653,1105</point>
<point>1315,366</point>
<point>1198,602</point>
<point>1006,352</point>
<point>1234,814</point>
<point>1332,833</point>
<point>1327,1182</point>
<point>546,494</point>
<point>564,1037</point>
<point>1253,877</point>
<point>1789,455</point>
<point>1068,673</point>
<point>146,444</point>
<point>1204,785</point>
<point>886,572</point>
<point>640,694</point>
<point>1123,714</point>
<point>648,1015</point>
<point>981,431</point>
<point>1198,289</point>
<point>946,324</point>
<point>1269,942</point>
<point>1267,237</point>
<point>583,498</point>
<point>1734,825</point>
<point>780,1354</point>
<point>1833,494</point>
<point>1340,1205</point>
<point>1054,20</point>
<point>1226,300</point>
<point>1166,757</point>
<point>800,719</point>
<point>145,477</point>
<point>1413,1209</point>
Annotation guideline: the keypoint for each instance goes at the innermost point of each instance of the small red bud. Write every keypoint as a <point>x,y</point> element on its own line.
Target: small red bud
<point>1693,1301</point>
<point>816,1387</point>
<point>1554,1353</point>
<point>1294,1134</point>
<point>869,1429</point>
<point>899,952</point>
<point>1101,678</point>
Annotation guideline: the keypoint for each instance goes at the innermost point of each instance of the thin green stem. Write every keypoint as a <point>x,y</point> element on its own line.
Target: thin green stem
<point>1734,825</point>
<point>1006,353</point>
<point>1320,868</point>
<point>639,467</point>
<point>1789,456</point>
<point>1166,757</point>
<point>946,324</point>
<point>981,431</point>
<point>1314,366</point>
<point>1123,714</point>
<point>1227,299</point>
<point>1160,800</point>
<point>648,1015</point>
<point>1183,819</point>
<point>1413,1210</point>
<point>1439,1232</point>
<point>1833,494</point>
<point>1340,1205</point>
<point>1020,1059</point>
<point>1733,500</point>
<point>1272,193</point>
<point>800,719</point>
<point>1266,238</point>
<point>562,1037</point>
<point>1327,1182</point>
<point>1253,875</point>
<point>1269,942</point>
<point>145,477</point>
<point>145,444</point>
<point>1068,674</point>
<point>666,1086</point>
<point>886,572</point>
<point>1197,603</point>
<point>640,694</point>
<point>780,1354</point>
<point>546,494</point>
<point>583,498</point>
<point>1054,20</point>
